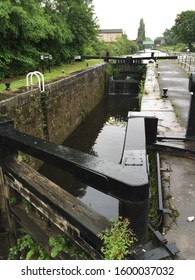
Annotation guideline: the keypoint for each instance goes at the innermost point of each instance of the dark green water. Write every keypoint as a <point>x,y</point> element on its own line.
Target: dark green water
<point>101,134</point>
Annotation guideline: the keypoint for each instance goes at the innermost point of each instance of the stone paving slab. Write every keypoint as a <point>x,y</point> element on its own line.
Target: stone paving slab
<point>162,107</point>
<point>152,104</point>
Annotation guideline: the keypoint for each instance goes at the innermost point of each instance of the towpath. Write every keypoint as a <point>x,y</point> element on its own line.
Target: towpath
<point>179,183</point>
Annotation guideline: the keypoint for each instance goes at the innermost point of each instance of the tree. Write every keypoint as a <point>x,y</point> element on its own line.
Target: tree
<point>141,31</point>
<point>122,46</point>
<point>57,44</point>
<point>75,27</point>
<point>169,37</point>
<point>82,24</point>
<point>184,28</point>
<point>19,33</point>
<point>28,29</point>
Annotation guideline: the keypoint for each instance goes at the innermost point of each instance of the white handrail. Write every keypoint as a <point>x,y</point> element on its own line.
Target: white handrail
<point>40,78</point>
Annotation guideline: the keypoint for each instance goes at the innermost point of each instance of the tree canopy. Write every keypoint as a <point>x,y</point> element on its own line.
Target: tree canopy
<point>183,28</point>
<point>141,35</point>
<point>31,28</point>
<point>169,37</point>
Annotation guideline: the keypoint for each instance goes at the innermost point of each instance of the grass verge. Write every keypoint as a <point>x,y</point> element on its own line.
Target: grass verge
<point>56,73</point>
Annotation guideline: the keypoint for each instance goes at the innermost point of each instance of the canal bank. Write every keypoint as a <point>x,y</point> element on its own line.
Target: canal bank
<point>179,176</point>
<point>56,112</point>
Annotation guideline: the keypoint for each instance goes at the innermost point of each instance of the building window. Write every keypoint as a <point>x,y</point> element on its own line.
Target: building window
<point>101,37</point>
<point>111,38</point>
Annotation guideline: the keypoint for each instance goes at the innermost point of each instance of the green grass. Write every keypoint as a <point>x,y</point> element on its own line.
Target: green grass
<point>56,73</point>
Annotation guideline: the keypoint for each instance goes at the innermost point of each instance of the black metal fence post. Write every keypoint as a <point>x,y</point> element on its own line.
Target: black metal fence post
<point>191,116</point>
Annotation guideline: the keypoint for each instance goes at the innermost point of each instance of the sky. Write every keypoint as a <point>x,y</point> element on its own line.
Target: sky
<point>126,14</point>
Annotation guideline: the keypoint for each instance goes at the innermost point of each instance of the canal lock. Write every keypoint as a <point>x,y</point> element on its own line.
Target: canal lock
<point>102,134</point>
<point>107,126</point>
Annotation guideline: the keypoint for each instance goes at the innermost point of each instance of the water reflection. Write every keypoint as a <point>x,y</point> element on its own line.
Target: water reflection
<point>102,134</point>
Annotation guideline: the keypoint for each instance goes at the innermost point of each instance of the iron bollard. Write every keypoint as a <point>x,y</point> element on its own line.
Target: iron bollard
<point>7,86</point>
<point>164,94</point>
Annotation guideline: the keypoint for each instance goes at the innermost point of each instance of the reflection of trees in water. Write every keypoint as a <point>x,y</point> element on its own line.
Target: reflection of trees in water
<point>116,121</point>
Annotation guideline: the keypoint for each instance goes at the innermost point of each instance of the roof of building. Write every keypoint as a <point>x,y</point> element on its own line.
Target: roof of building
<point>111,31</point>
<point>148,42</point>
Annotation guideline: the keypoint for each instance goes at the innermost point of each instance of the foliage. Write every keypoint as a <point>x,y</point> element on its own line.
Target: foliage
<point>61,244</point>
<point>141,36</point>
<point>19,34</point>
<point>118,241</point>
<point>124,46</point>
<point>61,27</point>
<point>184,28</point>
<point>169,37</point>
<point>141,91</point>
<point>153,209</point>
<point>58,245</point>
<point>12,200</point>
<point>26,205</point>
<point>27,249</point>
<point>180,47</point>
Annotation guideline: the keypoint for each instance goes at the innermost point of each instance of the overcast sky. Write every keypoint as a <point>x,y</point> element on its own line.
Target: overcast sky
<point>126,15</point>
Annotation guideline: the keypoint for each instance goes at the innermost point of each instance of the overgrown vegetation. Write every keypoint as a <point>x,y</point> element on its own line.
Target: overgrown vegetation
<point>154,217</point>
<point>27,248</point>
<point>118,240</point>
<point>141,91</point>
<point>61,244</point>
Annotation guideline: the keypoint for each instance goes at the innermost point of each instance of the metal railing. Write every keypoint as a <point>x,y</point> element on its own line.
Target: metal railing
<point>187,61</point>
<point>40,77</point>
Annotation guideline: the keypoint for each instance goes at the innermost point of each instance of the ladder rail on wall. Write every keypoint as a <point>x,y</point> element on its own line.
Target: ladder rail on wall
<point>40,77</point>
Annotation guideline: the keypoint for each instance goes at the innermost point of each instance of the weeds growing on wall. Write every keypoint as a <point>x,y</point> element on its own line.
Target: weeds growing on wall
<point>154,217</point>
<point>141,91</point>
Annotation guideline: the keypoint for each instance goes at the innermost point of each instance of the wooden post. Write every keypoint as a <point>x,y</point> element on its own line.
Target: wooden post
<point>7,227</point>
<point>5,222</point>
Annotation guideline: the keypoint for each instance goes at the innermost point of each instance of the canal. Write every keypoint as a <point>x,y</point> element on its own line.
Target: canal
<point>102,135</point>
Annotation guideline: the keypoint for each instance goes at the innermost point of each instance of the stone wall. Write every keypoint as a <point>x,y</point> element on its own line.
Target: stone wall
<point>69,101</point>
<point>61,108</point>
